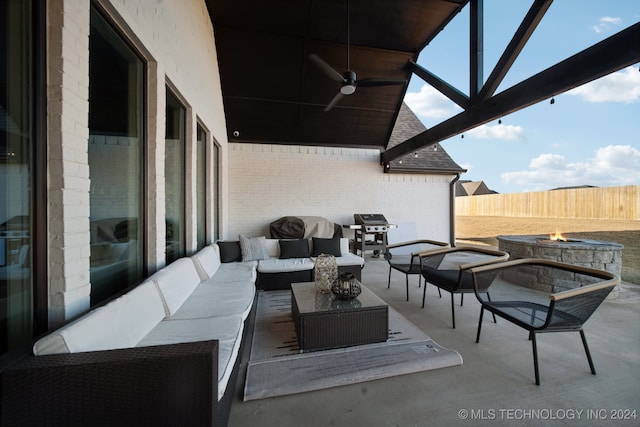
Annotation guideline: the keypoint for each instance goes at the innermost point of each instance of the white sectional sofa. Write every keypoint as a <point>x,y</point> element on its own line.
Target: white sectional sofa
<point>194,300</point>
<point>166,352</point>
<point>276,273</point>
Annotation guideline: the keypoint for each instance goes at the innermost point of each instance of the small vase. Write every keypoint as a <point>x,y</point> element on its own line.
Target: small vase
<point>326,273</point>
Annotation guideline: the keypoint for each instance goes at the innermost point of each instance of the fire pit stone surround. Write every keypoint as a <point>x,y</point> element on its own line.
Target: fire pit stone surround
<point>585,253</point>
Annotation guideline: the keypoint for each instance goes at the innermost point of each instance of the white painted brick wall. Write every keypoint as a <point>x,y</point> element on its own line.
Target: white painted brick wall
<point>68,109</point>
<point>268,182</point>
<point>176,38</point>
<point>258,183</point>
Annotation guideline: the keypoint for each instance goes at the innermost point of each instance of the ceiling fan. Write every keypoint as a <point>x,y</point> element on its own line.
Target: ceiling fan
<point>348,79</point>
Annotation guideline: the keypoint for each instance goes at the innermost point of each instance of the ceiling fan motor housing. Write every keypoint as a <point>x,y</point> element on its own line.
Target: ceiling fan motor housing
<point>349,85</point>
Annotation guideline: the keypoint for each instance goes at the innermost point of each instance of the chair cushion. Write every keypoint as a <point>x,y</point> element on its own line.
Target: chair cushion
<point>298,248</point>
<point>326,246</point>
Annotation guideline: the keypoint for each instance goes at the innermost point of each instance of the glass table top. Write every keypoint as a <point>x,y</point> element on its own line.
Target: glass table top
<point>310,301</point>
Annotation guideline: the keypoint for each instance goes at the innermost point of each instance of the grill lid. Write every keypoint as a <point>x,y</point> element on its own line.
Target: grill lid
<point>370,219</point>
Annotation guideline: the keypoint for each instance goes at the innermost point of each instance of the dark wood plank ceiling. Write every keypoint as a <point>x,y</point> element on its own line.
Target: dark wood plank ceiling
<point>273,93</point>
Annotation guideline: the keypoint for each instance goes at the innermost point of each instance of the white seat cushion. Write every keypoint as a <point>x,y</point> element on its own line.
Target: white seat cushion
<point>211,299</point>
<point>274,265</point>
<point>227,330</point>
<point>348,259</point>
<point>122,323</point>
<point>236,272</point>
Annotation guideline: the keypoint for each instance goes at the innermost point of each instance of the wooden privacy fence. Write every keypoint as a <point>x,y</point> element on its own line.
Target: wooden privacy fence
<point>622,203</point>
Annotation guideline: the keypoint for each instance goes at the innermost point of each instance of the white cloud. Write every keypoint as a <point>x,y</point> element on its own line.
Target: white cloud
<point>548,162</point>
<point>606,22</point>
<point>611,165</point>
<point>430,103</point>
<point>622,86</point>
<point>501,132</point>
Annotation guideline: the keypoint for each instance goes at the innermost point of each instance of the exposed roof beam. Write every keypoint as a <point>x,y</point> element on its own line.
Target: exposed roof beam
<point>476,47</point>
<point>606,57</point>
<point>515,46</point>
<point>437,83</point>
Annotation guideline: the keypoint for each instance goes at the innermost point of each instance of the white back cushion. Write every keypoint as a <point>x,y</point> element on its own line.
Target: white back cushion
<point>176,282</point>
<point>207,261</point>
<point>272,247</point>
<point>344,246</point>
<point>122,323</point>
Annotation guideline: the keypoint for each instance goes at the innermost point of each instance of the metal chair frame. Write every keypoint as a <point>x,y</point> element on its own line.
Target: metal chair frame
<point>456,281</point>
<point>414,265</point>
<point>567,310</point>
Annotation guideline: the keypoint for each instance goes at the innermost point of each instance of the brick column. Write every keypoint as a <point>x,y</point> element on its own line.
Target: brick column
<point>68,132</point>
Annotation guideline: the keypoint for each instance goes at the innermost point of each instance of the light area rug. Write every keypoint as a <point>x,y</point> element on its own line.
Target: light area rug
<point>276,366</point>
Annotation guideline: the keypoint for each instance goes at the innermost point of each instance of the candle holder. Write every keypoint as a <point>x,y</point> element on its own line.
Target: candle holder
<point>346,287</point>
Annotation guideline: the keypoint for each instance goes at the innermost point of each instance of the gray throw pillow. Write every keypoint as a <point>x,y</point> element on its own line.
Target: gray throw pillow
<point>253,248</point>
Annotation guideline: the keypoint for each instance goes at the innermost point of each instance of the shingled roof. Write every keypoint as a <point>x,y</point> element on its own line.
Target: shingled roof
<point>432,159</point>
<point>473,188</point>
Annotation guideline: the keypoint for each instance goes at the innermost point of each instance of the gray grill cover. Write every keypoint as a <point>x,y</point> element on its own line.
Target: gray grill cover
<point>304,227</point>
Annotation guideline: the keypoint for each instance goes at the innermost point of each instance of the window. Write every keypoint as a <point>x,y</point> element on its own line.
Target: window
<point>116,143</point>
<point>174,173</point>
<point>201,188</point>
<point>216,193</point>
<point>18,153</point>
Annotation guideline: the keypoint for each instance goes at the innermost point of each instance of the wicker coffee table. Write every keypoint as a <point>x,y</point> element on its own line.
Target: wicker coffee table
<point>324,322</point>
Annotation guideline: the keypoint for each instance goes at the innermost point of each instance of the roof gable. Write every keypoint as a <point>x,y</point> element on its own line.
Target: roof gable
<point>432,159</point>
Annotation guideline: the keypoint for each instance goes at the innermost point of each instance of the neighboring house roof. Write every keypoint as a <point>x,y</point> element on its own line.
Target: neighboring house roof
<point>472,188</point>
<point>432,159</point>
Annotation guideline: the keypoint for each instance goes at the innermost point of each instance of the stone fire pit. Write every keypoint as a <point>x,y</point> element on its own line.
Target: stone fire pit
<point>586,253</point>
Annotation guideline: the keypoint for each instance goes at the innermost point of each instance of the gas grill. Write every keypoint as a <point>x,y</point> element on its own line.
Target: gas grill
<point>370,233</point>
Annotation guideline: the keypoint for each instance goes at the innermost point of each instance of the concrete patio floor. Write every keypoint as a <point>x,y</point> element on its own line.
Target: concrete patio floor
<point>494,386</point>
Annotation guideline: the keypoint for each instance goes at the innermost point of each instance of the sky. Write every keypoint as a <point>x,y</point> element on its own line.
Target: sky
<point>588,136</point>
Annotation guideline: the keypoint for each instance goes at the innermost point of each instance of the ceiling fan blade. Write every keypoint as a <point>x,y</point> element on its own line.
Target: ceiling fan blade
<point>334,101</point>
<point>379,82</point>
<point>326,68</point>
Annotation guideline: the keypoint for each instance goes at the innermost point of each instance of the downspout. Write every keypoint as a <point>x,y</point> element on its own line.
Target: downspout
<point>452,210</point>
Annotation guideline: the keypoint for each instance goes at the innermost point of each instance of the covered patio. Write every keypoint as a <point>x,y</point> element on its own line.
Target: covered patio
<point>495,384</point>
<point>230,133</point>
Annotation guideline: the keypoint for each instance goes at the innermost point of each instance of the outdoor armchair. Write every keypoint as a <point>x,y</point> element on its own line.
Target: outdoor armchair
<point>448,269</point>
<point>404,257</point>
<point>565,297</point>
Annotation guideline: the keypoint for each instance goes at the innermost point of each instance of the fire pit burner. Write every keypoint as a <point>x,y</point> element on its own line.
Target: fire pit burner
<point>558,242</point>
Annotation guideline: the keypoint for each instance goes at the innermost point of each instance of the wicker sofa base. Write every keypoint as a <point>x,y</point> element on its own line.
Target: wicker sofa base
<point>135,386</point>
<point>173,384</point>
<point>283,280</point>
